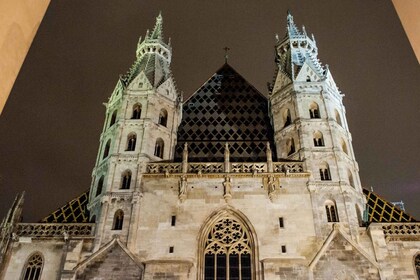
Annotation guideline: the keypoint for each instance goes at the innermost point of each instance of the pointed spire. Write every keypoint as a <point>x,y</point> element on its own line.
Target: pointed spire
<point>291,26</point>
<point>157,31</point>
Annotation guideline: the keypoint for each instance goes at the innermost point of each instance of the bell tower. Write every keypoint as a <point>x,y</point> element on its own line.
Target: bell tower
<point>309,123</point>
<point>142,117</point>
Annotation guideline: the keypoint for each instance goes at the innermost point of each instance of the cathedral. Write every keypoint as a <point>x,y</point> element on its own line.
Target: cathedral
<point>227,184</point>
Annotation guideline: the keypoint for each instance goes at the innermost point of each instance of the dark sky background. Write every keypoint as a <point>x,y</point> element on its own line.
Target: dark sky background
<point>50,127</point>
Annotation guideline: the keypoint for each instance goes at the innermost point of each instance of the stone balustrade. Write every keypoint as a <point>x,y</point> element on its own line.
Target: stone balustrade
<point>37,230</point>
<point>220,167</point>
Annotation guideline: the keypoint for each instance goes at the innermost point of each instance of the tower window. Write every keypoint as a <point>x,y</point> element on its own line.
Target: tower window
<point>338,118</point>
<point>33,267</point>
<point>173,221</point>
<point>290,146</point>
<point>281,222</point>
<point>100,186</point>
<point>318,139</point>
<point>163,117</point>
<point>118,220</point>
<point>126,180</point>
<point>171,249</point>
<point>131,142</point>
<point>113,118</point>
<point>136,112</point>
<point>314,111</point>
<point>159,148</point>
<point>344,147</point>
<point>324,172</point>
<point>283,249</point>
<point>331,211</point>
<point>106,149</point>
<point>287,118</point>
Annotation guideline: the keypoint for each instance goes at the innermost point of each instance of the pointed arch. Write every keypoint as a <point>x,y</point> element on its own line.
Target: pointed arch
<point>324,172</point>
<point>136,111</point>
<point>318,139</point>
<point>126,180</point>
<point>290,144</point>
<point>227,247</point>
<point>338,118</point>
<point>118,220</point>
<point>344,146</point>
<point>163,117</point>
<point>331,211</point>
<point>131,142</point>
<point>99,186</point>
<point>106,149</point>
<point>113,118</point>
<point>287,118</point>
<point>159,146</point>
<point>33,267</point>
<point>314,111</point>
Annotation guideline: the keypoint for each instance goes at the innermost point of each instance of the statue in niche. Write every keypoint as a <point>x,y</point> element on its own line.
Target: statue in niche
<point>183,188</point>
<point>271,185</point>
<point>227,188</point>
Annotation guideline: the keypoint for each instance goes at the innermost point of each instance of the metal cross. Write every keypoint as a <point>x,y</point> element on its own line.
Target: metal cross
<point>226,53</point>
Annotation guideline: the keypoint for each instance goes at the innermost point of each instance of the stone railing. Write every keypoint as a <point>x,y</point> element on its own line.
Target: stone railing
<point>78,230</point>
<point>401,230</point>
<point>220,167</point>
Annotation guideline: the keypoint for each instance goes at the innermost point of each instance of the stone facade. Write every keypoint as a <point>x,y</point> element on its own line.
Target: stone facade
<point>297,214</point>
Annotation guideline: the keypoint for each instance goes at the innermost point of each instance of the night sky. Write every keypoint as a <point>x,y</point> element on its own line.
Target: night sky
<point>50,127</point>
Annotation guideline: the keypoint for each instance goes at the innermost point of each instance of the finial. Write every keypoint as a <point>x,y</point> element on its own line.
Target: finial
<point>226,53</point>
<point>289,16</point>
<point>157,31</point>
<point>304,30</point>
<point>277,38</point>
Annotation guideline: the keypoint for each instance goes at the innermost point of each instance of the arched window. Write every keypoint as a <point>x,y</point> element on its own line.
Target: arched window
<point>136,112</point>
<point>118,220</point>
<point>287,119</point>
<point>106,149</point>
<point>131,142</point>
<point>228,251</point>
<point>324,172</point>
<point>417,265</point>
<point>159,146</point>
<point>331,211</point>
<point>350,175</point>
<point>314,111</point>
<point>290,146</point>
<point>126,180</point>
<point>318,139</point>
<point>100,186</point>
<point>337,117</point>
<point>163,117</point>
<point>113,118</point>
<point>33,267</point>
<point>344,147</point>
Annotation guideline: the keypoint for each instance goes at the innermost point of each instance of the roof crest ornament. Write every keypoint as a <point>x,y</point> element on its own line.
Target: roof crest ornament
<point>226,54</point>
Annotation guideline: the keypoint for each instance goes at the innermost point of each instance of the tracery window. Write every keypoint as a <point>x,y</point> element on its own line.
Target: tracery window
<point>331,211</point>
<point>324,172</point>
<point>227,253</point>
<point>33,267</point>
<point>318,139</point>
<point>136,112</point>
<point>417,265</point>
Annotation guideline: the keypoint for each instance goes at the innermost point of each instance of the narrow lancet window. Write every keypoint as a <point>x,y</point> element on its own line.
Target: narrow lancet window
<point>118,220</point>
<point>163,117</point>
<point>314,111</point>
<point>136,112</point>
<point>33,267</point>
<point>287,118</point>
<point>100,186</point>
<point>159,148</point>
<point>331,211</point>
<point>324,172</point>
<point>106,149</point>
<point>290,146</point>
<point>113,118</point>
<point>131,142</point>
<point>318,139</point>
<point>126,180</point>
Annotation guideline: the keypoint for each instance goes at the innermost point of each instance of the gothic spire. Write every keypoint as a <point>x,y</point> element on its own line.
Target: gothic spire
<point>157,32</point>
<point>292,29</point>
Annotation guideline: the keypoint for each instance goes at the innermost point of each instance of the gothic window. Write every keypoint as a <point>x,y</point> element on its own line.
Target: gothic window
<point>113,118</point>
<point>163,117</point>
<point>417,265</point>
<point>126,180</point>
<point>100,186</point>
<point>33,267</point>
<point>159,148</point>
<point>318,139</point>
<point>287,118</point>
<point>136,112</point>
<point>118,220</point>
<point>106,150</point>
<point>227,253</point>
<point>131,142</point>
<point>338,118</point>
<point>290,146</point>
<point>350,175</point>
<point>331,211</point>
<point>344,147</point>
<point>324,172</point>
<point>314,111</point>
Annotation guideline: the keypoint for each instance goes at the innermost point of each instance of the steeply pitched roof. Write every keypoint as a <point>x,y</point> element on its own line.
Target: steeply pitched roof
<point>226,109</point>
